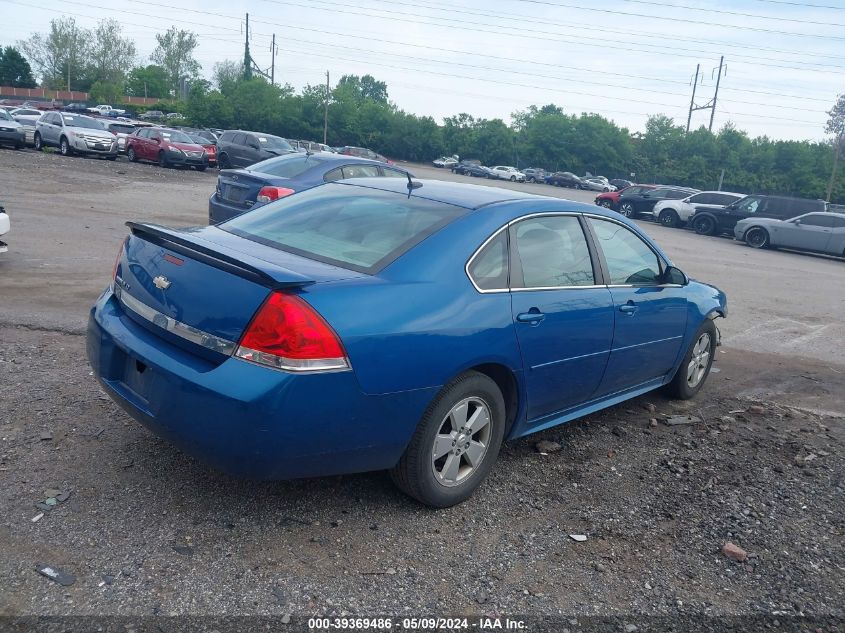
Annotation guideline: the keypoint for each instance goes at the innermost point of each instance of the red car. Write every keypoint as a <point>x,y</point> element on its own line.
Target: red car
<point>209,147</point>
<point>610,199</point>
<point>169,148</point>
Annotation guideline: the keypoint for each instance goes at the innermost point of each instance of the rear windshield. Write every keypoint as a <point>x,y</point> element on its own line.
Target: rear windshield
<point>287,166</point>
<point>358,228</point>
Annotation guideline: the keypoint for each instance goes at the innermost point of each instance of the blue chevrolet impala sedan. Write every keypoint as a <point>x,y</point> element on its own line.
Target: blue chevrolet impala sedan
<point>382,323</point>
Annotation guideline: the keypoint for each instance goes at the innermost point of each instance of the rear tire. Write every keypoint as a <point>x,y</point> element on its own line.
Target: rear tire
<point>450,477</point>
<point>757,237</point>
<point>695,366</point>
<point>705,225</point>
<point>669,218</point>
<point>607,204</point>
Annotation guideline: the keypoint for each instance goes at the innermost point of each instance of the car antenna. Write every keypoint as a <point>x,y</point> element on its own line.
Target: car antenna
<point>412,184</point>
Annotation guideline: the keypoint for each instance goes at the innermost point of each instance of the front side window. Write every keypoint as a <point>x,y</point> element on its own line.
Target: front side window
<point>817,219</point>
<point>725,199</point>
<point>489,268</point>
<point>750,204</point>
<point>552,252</point>
<point>630,261</point>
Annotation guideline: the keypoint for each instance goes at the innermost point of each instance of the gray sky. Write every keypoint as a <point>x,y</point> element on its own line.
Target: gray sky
<point>624,59</point>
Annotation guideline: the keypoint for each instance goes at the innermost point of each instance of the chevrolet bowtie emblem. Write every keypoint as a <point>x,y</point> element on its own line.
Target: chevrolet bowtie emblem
<point>161,282</point>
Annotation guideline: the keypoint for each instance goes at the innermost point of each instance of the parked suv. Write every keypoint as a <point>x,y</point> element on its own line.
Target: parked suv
<point>237,148</point>
<point>74,133</point>
<point>717,220</point>
<point>166,147</point>
<point>534,174</point>
<point>674,213</point>
<point>632,204</point>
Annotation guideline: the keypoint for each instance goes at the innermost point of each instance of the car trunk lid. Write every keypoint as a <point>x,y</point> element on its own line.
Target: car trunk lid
<point>199,288</point>
<point>240,187</point>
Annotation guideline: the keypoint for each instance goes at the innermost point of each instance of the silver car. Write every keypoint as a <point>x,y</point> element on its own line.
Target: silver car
<point>11,132</point>
<point>74,133</point>
<point>596,184</point>
<point>822,232</point>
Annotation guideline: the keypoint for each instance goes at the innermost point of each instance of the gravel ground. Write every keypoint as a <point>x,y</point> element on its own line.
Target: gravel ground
<point>143,530</point>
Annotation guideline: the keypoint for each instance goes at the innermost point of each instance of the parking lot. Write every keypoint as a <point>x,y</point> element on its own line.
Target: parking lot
<point>145,530</point>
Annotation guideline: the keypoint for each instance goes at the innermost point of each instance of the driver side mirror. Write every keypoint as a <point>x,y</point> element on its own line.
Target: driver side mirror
<point>254,145</point>
<point>674,275</point>
<point>797,220</point>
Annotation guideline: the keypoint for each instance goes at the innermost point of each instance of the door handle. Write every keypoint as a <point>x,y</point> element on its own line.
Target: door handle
<point>628,308</point>
<point>533,316</point>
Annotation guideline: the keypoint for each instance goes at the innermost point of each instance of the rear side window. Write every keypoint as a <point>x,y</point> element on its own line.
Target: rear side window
<point>676,195</point>
<point>227,137</point>
<point>551,252</point>
<point>630,261</point>
<point>360,171</point>
<point>238,139</point>
<point>724,199</point>
<point>489,268</point>
<point>357,228</point>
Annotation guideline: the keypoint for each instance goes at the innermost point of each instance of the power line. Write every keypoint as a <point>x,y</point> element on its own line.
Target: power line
<point>755,29</point>
<point>737,13</point>
<point>533,35</point>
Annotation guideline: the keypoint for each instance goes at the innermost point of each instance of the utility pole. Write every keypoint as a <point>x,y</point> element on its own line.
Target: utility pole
<point>273,61</point>
<point>326,112</point>
<point>692,99</point>
<point>68,73</point>
<point>716,94</point>
<point>247,56</point>
<point>710,105</point>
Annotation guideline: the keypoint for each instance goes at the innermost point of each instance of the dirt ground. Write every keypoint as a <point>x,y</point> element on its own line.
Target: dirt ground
<point>144,530</point>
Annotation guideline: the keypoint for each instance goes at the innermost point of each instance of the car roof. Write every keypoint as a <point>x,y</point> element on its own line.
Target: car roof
<point>331,157</point>
<point>458,194</point>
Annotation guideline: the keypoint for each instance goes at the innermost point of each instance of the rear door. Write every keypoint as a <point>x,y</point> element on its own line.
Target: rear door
<point>563,318</point>
<point>650,317</point>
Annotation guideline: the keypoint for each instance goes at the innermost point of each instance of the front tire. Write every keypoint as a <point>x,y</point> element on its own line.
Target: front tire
<point>64,147</point>
<point>669,218</point>
<point>37,142</point>
<point>627,209</point>
<point>133,158</point>
<point>705,225</point>
<point>695,367</point>
<point>456,443</point>
<point>607,204</point>
<point>757,237</point>
<point>200,167</point>
<point>223,161</point>
<point>513,178</point>
<point>162,160</point>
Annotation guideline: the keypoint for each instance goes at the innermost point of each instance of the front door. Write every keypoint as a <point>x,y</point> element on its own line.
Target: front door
<point>563,320</point>
<point>810,232</point>
<point>650,317</point>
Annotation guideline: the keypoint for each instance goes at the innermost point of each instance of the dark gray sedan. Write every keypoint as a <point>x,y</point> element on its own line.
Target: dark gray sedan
<point>814,232</point>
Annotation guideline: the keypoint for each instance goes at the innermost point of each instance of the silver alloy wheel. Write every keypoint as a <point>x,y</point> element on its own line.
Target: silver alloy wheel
<point>627,209</point>
<point>461,441</point>
<point>700,361</point>
<point>64,148</point>
<point>607,204</point>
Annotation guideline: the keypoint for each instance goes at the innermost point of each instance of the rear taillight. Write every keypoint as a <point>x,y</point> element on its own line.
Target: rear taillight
<point>117,262</point>
<point>287,333</point>
<point>268,194</point>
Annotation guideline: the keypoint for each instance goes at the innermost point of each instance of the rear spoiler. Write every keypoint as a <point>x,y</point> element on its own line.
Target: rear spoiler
<point>234,262</point>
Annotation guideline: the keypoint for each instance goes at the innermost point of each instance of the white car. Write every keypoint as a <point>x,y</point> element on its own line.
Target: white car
<point>25,114</point>
<point>504,172</point>
<point>4,228</point>
<point>597,184</point>
<point>445,161</point>
<point>675,213</point>
<point>106,110</point>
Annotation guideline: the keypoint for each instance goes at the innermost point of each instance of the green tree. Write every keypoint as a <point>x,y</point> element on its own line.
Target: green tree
<point>147,81</point>
<point>836,126</point>
<point>62,57</point>
<point>104,92</point>
<point>14,69</point>
<point>175,53</point>
<point>227,74</point>
<point>112,55</point>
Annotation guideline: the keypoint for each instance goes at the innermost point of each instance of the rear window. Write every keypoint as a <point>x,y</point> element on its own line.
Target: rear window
<point>358,228</point>
<point>286,166</point>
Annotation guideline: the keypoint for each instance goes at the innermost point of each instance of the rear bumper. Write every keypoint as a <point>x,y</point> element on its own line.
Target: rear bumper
<point>245,419</point>
<point>219,210</point>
